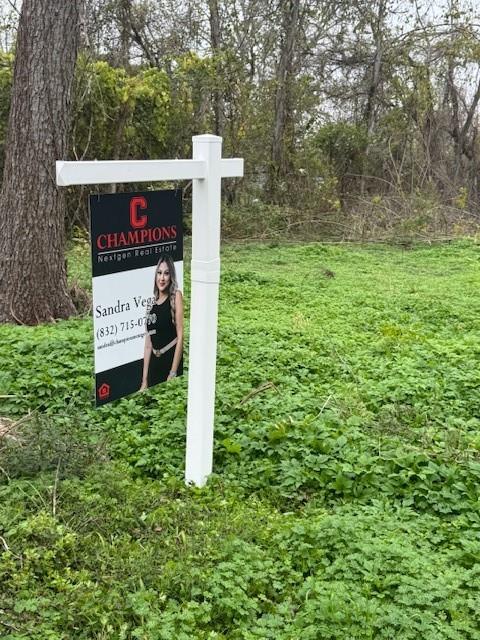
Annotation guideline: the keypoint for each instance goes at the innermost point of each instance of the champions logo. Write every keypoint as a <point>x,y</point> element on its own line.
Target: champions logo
<point>140,235</point>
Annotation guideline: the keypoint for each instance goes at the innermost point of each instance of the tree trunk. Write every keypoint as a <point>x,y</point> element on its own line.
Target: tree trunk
<point>33,276</point>
<point>377,26</point>
<point>216,44</point>
<point>283,136</point>
<point>455,120</point>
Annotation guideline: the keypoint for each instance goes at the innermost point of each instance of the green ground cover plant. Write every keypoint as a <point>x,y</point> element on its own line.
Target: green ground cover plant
<point>345,499</point>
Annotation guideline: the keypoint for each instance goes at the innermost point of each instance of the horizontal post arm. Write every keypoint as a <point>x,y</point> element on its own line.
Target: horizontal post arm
<point>120,171</point>
<point>231,168</point>
<point>111,171</point>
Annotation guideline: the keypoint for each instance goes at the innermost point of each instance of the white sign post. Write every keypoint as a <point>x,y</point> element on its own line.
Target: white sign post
<point>206,169</point>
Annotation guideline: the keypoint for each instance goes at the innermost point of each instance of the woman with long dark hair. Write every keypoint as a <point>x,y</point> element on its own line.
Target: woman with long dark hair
<point>163,353</point>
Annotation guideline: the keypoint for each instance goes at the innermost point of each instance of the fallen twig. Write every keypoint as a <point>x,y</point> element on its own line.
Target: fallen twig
<point>263,387</point>
<point>54,493</point>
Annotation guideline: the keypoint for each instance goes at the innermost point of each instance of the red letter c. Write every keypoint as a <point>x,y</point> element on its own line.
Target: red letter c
<point>136,221</point>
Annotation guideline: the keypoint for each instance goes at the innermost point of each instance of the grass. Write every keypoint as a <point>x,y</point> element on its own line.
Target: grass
<point>344,502</point>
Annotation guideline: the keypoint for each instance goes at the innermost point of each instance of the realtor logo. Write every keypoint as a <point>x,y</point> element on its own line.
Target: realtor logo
<point>136,221</point>
<point>104,391</point>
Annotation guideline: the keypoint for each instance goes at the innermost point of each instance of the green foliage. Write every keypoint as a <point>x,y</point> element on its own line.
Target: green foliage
<point>117,114</point>
<point>143,114</point>
<point>254,219</point>
<point>66,446</point>
<point>343,144</point>
<point>192,81</point>
<point>6,74</point>
<point>347,463</point>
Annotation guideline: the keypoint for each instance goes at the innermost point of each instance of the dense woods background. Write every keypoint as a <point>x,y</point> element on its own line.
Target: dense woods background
<point>356,119</point>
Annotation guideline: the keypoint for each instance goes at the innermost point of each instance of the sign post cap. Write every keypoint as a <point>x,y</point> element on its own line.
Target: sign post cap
<point>208,138</point>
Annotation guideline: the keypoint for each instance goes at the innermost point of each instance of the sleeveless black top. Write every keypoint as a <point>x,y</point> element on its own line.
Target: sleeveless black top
<point>162,331</point>
<point>160,326</point>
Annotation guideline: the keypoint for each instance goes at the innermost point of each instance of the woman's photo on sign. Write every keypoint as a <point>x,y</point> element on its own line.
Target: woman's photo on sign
<point>163,351</point>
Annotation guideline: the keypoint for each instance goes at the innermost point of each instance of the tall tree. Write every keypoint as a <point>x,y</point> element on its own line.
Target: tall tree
<point>33,277</point>
<point>376,18</point>
<point>216,44</point>
<point>461,43</point>
<point>282,139</point>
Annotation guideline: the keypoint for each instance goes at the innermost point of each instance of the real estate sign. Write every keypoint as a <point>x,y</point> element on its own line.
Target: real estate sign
<point>137,268</point>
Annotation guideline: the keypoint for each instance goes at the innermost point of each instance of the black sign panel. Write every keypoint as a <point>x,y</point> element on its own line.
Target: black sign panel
<point>132,230</point>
